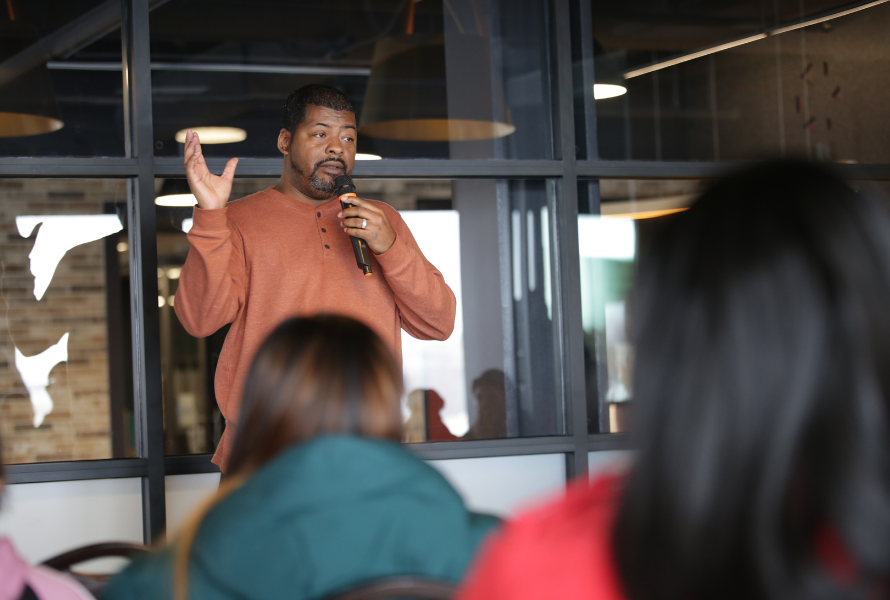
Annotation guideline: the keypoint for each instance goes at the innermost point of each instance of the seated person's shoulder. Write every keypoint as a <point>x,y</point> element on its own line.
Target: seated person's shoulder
<point>149,576</point>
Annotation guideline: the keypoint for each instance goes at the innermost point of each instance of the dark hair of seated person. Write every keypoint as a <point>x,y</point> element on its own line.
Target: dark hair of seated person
<point>313,376</point>
<point>762,332</point>
<point>324,375</point>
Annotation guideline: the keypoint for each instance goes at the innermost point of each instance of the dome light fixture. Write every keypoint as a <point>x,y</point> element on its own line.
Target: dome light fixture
<point>607,90</point>
<point>214,135</point>
<point>364,156</point>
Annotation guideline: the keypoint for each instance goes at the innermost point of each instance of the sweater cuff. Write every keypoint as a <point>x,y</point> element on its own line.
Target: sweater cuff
<point>397,256</point>
<point>209,220</point>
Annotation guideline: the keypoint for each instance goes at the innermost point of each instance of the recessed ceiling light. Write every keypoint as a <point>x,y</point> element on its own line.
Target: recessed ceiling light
<point>176,200</point>
<point>607,90</point>
<point>361,156</point>
<point>214,135</point>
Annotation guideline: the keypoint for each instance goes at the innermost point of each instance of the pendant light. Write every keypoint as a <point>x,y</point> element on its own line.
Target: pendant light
<point>27,103</point>
<point>607,73</point>
<point>407,94</point>
<point>175,192</point>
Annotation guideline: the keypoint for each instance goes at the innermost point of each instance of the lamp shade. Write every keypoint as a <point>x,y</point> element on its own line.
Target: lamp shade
<point>407,97</point>
<point>175,192</point>
<point>607,72</point>
<point>27,102</point>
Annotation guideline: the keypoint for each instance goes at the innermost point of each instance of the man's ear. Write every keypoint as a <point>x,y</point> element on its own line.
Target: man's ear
<point>284,141</point>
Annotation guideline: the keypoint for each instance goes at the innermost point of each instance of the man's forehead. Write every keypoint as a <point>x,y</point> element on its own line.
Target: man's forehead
<point>328,117</point>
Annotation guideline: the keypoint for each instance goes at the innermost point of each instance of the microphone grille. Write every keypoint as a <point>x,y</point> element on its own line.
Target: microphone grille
<point>344,184</point>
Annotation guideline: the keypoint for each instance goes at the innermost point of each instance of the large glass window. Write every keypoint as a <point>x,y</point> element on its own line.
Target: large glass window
<point>742,80</point>
<point>432,79</point>
<point>65,368</point>
<point>496,376</point>
<point>61,90</point>
<point>630,212</point>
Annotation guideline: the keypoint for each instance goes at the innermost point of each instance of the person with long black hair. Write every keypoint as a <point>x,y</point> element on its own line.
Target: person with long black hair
<point>761,319</point>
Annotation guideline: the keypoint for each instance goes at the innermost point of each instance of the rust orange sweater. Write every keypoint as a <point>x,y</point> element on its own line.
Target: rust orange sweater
<point>268,257</point>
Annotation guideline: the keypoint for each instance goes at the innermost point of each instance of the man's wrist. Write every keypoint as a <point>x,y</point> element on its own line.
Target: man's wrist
<point>209,220</point>
<point>396,256</point>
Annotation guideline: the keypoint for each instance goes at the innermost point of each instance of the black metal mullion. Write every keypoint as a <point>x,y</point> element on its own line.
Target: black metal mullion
<point>75,470</point>
<point>567,296</point>
<point>122,167</point>
<point>200,463</point>
<point>583,69</point>
<point>387,168</point>
<point>61,166</point>
<point>143,266</point>
<point>643,169</point>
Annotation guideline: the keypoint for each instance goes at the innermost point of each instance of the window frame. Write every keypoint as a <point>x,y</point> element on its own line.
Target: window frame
<point>140,168</point>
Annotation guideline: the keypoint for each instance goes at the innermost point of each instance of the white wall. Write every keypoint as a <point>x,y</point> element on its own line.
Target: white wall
<point>45,519</point>
<point>608,461</point>
<point>500,485</point>
<point>503,485</point>
<point>185,493</point>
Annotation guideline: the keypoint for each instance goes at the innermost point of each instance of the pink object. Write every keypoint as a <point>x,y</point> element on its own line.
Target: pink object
<point>47,584</point>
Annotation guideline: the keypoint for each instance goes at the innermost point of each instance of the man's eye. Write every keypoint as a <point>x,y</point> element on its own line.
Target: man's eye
<point>319,134</point>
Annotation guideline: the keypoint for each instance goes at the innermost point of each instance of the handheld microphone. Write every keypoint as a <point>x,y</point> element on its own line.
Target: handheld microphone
<point>345,187</point>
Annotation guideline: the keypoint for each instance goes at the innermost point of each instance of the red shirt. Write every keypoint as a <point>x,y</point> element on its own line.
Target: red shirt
<point>561,550</point>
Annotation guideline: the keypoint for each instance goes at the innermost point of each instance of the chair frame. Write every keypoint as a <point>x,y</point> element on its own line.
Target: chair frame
<point>420,588</point>
<point>94,583</point>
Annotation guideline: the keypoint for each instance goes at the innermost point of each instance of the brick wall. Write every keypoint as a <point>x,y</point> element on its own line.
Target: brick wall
<point>78,428</point>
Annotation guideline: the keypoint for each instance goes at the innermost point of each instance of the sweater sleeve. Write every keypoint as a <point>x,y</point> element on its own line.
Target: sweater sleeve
<point>212,282</point>
<point>426,303</point>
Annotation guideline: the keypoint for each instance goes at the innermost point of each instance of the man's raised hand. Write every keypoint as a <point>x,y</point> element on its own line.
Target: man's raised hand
<point>210,190</point>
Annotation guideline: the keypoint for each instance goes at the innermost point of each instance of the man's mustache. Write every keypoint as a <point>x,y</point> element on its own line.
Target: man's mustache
<point>319,164</point>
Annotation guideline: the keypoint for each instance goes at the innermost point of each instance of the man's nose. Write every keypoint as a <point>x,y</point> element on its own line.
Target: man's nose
<point>335,146</point>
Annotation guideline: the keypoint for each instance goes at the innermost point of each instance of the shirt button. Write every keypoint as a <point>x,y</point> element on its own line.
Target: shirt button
<point>323,230</point>
<point>326,246</point>
<point>317,214</point>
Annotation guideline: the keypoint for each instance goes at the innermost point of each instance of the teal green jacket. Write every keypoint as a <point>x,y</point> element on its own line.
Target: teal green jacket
<point>323,517</point>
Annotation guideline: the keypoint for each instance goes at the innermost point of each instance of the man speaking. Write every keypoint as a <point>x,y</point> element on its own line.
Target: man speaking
<point>286,251</point>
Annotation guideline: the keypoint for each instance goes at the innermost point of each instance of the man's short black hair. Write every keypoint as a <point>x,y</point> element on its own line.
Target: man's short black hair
<point>317,94</point>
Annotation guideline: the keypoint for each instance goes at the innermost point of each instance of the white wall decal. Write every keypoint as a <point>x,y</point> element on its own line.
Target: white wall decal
<point>58,235</point>
<point>34,371</point>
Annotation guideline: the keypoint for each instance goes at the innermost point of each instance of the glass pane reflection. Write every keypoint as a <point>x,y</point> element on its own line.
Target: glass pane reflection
<point>433,79</point>
<point>65,368</point>
<point>631,211</point>
<point>61,90</point>
<point>742,80</point>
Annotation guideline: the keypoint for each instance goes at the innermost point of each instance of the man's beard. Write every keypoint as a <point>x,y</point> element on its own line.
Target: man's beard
<point>321,187</point>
